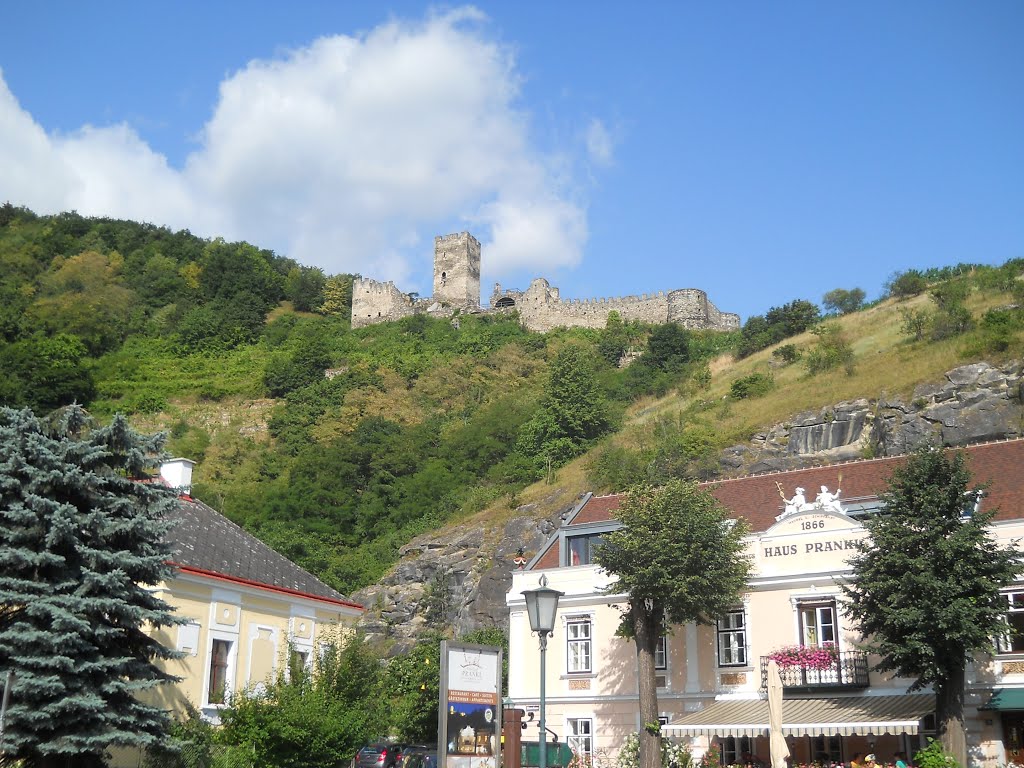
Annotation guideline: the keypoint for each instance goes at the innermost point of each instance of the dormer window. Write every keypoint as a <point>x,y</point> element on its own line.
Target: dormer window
<point>580,550</point>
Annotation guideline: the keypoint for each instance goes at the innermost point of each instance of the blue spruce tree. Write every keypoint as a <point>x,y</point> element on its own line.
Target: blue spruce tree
<point>81,544</point>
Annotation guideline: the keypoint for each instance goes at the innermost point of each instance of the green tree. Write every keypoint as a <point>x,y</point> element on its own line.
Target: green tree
<point>679,558</point>
<point>318,717</point>
<point>411,688</point>
<point>830,351</point>
<point>573,410</point>
<point>952,317</point>
<point>668,348</point>
<point>80,538</point>
<point>304,365</point>
<point>925,583</point>
<point>303,287</point>
<point>843,301</point>
<point>777,324</point>
<point>903,285</point>
<point>44,373</point>
<point>914,321</point>
<point>84,295</point>
<point>337,296</point>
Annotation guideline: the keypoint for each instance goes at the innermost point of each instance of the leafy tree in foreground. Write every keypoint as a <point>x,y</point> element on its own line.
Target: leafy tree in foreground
<point>318,717</point>
<point>925,584</point>
<point>679,558</point>
<point>79,537</point>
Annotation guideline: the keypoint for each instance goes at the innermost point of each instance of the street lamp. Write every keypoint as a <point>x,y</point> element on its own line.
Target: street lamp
<point>542,607</point>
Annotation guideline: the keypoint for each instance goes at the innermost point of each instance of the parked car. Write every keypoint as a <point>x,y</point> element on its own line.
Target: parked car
<point>420,757</point>
<point>413,749</point>
<point>379,755</point>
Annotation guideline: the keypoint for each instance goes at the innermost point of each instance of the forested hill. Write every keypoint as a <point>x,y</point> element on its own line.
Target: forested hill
<point>337,446</point>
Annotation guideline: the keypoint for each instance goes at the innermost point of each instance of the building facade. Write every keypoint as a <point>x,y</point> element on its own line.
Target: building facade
<point>712,679</point>
<point>250,610</point>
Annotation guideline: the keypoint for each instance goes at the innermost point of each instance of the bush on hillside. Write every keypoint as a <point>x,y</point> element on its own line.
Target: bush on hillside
<point>754,385</point>
<point>831,350</point>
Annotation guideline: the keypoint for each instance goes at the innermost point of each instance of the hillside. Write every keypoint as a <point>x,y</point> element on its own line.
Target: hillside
<point>426,425</point>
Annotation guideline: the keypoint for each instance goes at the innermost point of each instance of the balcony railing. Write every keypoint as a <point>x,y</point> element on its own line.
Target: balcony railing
<point>850,670</point>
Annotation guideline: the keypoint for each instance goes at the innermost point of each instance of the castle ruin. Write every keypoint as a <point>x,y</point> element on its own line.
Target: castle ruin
<point>540,308</point>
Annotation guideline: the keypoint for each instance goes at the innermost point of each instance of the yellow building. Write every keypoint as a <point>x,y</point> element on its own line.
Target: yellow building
<point>712,679</point>
<point>247,607</point>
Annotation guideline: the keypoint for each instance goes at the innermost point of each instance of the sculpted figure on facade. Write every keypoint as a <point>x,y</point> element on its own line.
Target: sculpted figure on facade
<point>794,505</point>
<point>825,501</point>
<point>829,501</point>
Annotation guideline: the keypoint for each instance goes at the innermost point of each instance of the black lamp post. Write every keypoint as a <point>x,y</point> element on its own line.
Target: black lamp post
<point>542,607</point>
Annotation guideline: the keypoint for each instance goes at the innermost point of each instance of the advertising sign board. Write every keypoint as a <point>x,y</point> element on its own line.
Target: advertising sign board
<point>469,722</point>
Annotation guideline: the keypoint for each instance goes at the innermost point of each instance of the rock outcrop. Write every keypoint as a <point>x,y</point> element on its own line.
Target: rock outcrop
<point>457,578</point>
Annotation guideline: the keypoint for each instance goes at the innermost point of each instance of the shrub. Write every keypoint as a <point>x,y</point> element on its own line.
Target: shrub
<point>831,350</point>
<point>934,756</point>
<point>754,385</point>
<point>903,285</point>
<point>998,328</point>
<point>914,322</point>
<point>787,354</point>
<point>777,324</point>
<point>673,755</point>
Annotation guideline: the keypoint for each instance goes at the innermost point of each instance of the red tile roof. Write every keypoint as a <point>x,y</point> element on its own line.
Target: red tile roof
<point>998,465</point>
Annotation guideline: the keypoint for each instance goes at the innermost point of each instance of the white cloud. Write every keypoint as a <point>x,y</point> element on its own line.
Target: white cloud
<point>33,175</point>
<point>599,143</point>
<point>345,154</point>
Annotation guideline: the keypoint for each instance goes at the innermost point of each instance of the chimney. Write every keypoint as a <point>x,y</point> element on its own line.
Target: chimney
<point>177,473</point>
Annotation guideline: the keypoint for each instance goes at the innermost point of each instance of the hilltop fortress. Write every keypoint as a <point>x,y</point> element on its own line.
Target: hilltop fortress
<point>457,289</point>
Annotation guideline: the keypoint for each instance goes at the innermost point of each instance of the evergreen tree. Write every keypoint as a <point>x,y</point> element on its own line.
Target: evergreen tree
<point>679,559</point>
<point>80,538</point>
<point>926,580</point>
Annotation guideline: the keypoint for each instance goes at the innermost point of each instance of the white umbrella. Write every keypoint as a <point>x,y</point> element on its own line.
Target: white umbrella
<point>776,741</point>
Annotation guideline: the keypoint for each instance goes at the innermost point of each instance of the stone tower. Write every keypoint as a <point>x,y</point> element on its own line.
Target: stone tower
<point>457,270</point>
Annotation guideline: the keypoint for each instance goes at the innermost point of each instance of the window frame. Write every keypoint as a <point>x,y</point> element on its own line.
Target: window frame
<point>568,532</point>
<point>572,738</point>
<point>661,648</point>
<point>732,749</point>
<point>1005,640</point>
<point>579,641</point>
<point>586,556</point>
<point>226,670</point>
<point>817,606</point>
<point>723,632</point>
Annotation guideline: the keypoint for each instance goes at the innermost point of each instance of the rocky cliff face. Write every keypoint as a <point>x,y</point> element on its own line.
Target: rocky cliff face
<point>457,578</point>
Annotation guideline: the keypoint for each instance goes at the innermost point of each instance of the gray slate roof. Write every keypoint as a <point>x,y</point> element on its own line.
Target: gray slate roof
<point>205,539</point>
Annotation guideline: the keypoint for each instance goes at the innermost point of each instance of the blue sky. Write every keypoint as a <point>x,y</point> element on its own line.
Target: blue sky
<point>760,151</point>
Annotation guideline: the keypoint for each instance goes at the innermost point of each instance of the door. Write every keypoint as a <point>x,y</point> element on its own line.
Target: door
<point>1013,736</point>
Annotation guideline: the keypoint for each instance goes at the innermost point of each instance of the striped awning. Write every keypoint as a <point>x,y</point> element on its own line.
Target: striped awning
<point>858,715</point>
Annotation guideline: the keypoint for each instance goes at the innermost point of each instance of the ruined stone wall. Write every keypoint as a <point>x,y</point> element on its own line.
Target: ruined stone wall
<point>457,270</point>
<point>375,302</point>
<point>457,287</point>
<point>541,309</point>
<point>691,308</point>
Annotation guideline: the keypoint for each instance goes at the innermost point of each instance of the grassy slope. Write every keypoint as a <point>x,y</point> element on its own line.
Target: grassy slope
<point>888,365</point>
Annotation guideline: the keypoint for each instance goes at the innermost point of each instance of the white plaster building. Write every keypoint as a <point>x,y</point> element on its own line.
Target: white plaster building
<point>710,678</point>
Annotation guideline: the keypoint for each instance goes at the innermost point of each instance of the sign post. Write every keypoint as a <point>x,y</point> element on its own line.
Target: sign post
<point>469,710</point>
